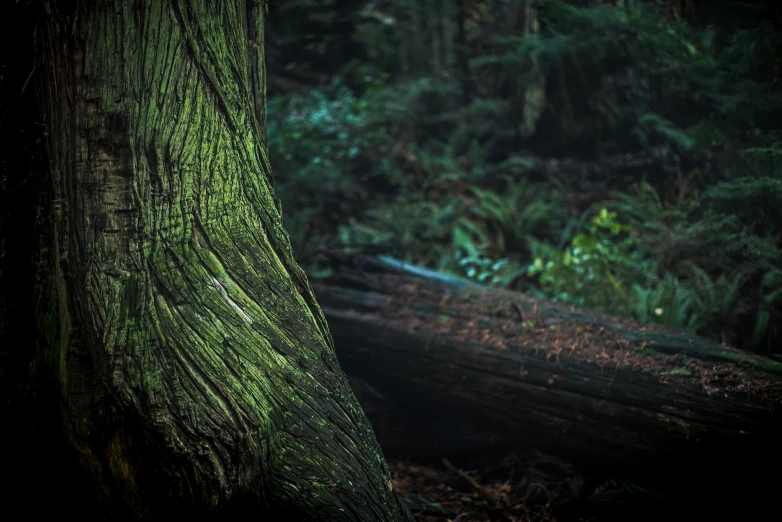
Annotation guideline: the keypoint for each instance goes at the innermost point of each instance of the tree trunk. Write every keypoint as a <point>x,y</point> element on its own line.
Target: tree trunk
<point>490,369</point>
<point>196,368</point>
<point>462,53</point>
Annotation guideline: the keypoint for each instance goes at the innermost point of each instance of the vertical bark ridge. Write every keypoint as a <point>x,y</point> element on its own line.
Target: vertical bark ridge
<point>180,276</point>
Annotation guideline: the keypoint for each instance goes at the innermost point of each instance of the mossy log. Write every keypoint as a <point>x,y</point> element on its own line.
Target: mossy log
<point>472,368</point>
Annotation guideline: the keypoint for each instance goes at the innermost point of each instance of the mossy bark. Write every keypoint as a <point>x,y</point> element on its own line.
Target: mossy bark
<point>196,368</point>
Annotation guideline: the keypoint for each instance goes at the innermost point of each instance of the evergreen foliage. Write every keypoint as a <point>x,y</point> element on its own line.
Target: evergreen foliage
<point>621,156</point>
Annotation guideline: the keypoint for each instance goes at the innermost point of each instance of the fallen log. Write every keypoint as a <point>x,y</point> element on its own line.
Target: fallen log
<point>475,367</point>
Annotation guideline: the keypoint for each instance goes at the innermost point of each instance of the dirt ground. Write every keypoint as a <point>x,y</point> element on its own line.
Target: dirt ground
<point>517,488</point>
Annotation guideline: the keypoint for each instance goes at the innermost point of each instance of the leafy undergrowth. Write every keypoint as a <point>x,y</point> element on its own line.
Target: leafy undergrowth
<point>647,185</point>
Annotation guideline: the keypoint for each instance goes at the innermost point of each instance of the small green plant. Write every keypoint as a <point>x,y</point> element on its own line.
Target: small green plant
<point>483,270</point>
<point>596,269</point>
<point>514,215</point>
<point>321,149</point>
<point>665,301</point>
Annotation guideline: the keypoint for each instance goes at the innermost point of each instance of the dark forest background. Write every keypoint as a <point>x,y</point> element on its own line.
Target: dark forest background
<point>625,156</point>
<point>620,155</point>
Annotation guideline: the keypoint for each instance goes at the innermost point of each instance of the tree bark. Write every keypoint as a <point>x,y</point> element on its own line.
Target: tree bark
<point>463,61</point>
<point>196,369</point>
<point>490,369</point>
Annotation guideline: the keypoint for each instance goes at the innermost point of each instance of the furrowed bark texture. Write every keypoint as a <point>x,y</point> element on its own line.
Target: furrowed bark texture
<point>196,366</point>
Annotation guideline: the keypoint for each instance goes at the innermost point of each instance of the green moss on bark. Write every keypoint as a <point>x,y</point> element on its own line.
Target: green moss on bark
<point>178,278</point>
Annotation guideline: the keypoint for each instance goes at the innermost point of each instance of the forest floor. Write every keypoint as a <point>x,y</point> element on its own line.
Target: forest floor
<point>517,488</point>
